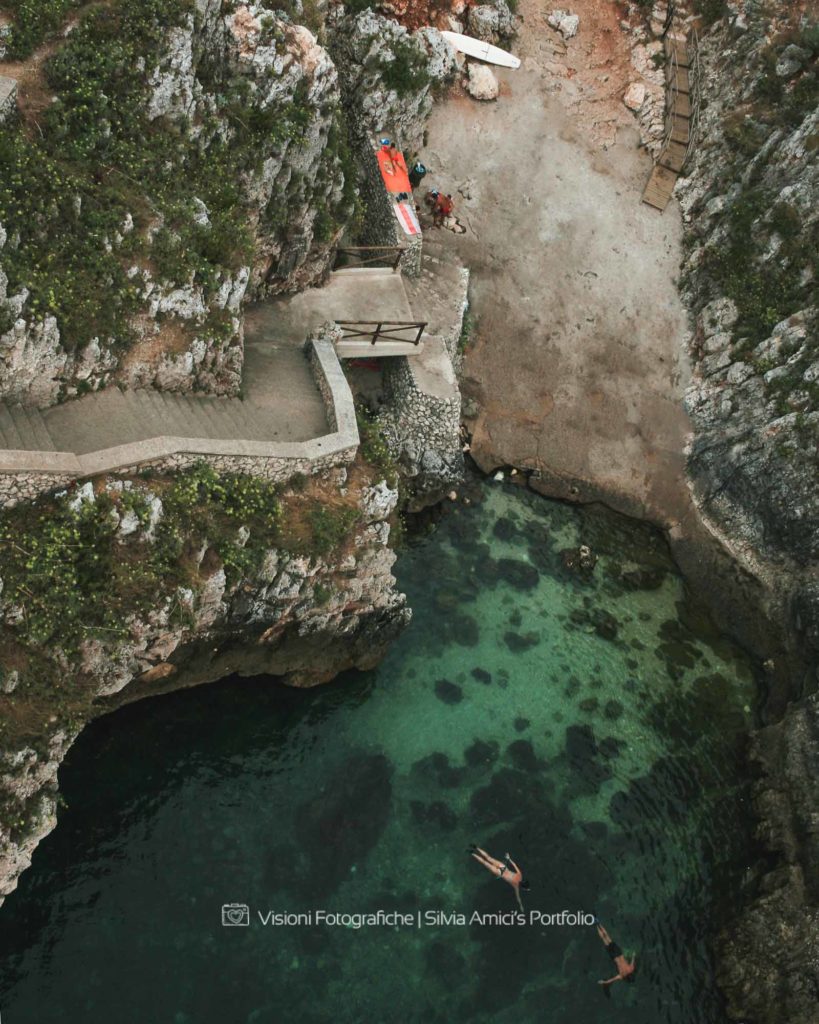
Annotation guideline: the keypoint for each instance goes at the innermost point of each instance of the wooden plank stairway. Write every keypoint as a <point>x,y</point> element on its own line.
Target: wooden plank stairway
<point>679,109</point>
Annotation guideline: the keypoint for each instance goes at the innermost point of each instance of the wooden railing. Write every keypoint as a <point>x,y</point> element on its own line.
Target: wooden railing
<point>406,331</point>
<point>694,96</point>
<point>692,72</point>
<point>370,255</point>
<point>670,13</point>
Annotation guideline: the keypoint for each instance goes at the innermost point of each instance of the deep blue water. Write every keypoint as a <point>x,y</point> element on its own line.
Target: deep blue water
<point>590,724</point>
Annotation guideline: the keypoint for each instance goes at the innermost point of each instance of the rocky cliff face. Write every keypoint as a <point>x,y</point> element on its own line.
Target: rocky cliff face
<point>750,279</point>
<point>770,957</point>
<point>302,595</point>
<point>191,154</point>
<point>387,73</point>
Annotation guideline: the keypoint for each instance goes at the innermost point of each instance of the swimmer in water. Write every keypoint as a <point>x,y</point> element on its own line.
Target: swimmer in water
<point>625,968</point>
<point>506,869</point>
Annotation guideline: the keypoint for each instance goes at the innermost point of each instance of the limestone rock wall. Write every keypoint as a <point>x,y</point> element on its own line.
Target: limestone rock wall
<point>762,981</point>
<point>423,427</point>
<point>303,618</point>
<point>225,70</point>
<point>387,73</point>
<point>750,280</point>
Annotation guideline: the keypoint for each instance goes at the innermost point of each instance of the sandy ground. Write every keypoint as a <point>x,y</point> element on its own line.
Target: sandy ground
<point>577,365</point>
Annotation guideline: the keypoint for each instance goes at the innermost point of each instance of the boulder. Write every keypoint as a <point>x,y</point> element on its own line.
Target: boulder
<point>565,23</point>
<point>635,96</point>
<point>792,59</point>
<point>481,83</point>
<point>491,21</point>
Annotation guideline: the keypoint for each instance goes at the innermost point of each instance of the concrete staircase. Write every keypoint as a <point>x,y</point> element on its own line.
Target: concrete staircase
<point>281,400</point>
<point>283,404</point>
<point>23,429</point>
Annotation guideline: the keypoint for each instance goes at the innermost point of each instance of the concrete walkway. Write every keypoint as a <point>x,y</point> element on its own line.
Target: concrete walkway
<point>281,401</point>
<point>361,294</point>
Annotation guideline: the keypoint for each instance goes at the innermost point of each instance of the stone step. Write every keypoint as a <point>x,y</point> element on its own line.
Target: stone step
<point>8,428</point>
<point>362,272</point>
<point>31,425</point>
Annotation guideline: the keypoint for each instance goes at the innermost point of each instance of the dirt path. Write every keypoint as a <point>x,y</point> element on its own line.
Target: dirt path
<point>577,368</point>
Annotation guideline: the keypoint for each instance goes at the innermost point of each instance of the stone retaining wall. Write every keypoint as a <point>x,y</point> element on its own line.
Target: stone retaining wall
<point>380,226</point>
<point>8,98</point>
<point>25,476</point>
<point>422,429</point>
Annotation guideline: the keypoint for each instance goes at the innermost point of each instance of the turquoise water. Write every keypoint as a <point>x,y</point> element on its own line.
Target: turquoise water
<point>590,723</point>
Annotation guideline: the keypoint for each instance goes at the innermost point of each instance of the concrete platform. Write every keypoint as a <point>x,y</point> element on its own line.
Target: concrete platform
<point>366,294</point>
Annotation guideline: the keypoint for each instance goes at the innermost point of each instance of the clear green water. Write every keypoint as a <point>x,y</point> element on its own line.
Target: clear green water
<point>588,726</point>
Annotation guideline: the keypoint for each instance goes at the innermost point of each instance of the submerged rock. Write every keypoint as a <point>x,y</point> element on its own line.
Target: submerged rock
<point>338,827</point>
<point>518,643</point>
<point>436,768</point>
<point>482,752</point>
<point>448,692</point>
<point>435,815</point>
<point>520,575</point>
<point>504,528</point>
<point>522,755</point>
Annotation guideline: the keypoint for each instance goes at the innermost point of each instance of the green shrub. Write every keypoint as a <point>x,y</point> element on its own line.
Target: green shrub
<point>468,328</point>
<point>67,189</point>
<point>407,72</point>
<point>711,10</point>
<point>33,21</point>
<point>330,526</point>
<point>809,37</point>
<point>764,294</point>
<point>74,578</point>
<point>357,6</point>
<point>374,448</point>
<point>6,320</point>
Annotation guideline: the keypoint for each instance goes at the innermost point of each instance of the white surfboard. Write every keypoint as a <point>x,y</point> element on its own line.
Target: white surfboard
<point>407,218</point>
<point>483,51</point>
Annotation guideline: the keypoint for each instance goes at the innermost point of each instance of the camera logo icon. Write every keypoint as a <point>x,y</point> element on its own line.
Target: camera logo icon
<point>235,915</point>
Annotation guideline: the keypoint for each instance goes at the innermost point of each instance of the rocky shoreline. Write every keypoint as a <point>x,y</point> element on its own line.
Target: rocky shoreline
<point>298,616</point>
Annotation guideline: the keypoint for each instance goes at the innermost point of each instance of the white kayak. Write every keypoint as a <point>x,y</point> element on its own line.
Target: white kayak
<point>483,51</point>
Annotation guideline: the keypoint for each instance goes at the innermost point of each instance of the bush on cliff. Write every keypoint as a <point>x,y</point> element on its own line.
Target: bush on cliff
<point>91,188</point>
<point>34,20</point>
<point>72,574</point>
<point>406,72</point>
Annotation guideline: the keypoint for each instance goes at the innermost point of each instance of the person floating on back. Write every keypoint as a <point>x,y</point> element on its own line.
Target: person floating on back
<point>625,968</point>
<point>506,869</point>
